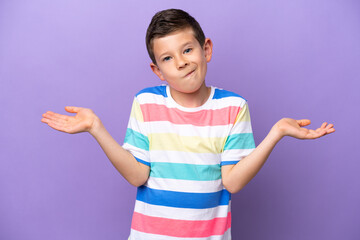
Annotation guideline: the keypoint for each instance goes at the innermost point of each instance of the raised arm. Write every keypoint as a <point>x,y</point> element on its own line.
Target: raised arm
<point>235,177</point>
<point>85,120</point>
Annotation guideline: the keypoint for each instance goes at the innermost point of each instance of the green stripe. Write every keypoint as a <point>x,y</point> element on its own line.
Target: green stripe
<point>185,171</point>
<point>240,141</point>
<point>136,139</point>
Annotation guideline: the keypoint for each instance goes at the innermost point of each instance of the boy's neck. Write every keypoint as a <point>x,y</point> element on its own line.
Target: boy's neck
<point>191,100</point>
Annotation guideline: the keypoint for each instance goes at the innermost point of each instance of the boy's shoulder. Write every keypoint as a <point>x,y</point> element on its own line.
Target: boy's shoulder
<point>157,90</point>
<point>220,93</point>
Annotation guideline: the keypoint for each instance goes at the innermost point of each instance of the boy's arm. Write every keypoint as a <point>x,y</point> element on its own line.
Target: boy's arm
<point>235,177</point>
<point>86,121</point>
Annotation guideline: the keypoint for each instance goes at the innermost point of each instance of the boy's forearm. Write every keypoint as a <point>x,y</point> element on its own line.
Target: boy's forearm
<point>133,171</point>
<point>235,177</point>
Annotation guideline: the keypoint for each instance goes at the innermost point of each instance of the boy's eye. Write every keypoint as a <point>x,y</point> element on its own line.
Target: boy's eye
<point>166,59</point>
<point>187,50</point>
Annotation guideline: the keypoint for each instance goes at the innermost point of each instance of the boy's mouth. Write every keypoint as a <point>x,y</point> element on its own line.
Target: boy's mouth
<point>190,73</point>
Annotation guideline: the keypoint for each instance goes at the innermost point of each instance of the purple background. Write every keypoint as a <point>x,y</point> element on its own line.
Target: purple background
<point>298,59</point>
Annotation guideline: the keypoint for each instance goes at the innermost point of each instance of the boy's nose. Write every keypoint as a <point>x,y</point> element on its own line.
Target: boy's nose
<point>182,62</point>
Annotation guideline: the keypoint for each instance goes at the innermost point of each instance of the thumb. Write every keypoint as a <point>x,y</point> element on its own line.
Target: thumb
<point>303,122</point>
<point>72,109</point>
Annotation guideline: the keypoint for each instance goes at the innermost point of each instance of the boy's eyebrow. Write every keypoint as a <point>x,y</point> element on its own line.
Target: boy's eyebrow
<point>186,43</point>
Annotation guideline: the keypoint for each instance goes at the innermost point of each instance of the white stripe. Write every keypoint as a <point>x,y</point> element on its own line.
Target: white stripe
<point>152,98</point>
<point>135,235</point>
<point>228,102</point>
<point>137,152</point>
<point>138,126</point>
<point>188,130</point>
<point>235,154</point>
<point>188,157</point>
<point>242,127</point>
<point>184,185</point>
<point>181,213</point>
<point>184,157</point>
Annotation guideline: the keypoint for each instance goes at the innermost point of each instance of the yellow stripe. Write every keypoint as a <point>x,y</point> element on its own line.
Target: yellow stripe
<point>136,112</point>
<point>243,115</point>
<point>174,142</point>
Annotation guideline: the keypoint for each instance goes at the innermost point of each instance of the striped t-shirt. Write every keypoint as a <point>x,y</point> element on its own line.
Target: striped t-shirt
<point>184,197</point>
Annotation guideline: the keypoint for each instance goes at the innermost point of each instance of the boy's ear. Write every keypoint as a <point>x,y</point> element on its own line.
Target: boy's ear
<point>208,47</point>
<point>157,71</point>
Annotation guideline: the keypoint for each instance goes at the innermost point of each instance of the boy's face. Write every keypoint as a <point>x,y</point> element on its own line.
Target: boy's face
<point>181,61</point>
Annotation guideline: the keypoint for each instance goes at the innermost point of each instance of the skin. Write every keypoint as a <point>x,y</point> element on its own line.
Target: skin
<point>182,63</point>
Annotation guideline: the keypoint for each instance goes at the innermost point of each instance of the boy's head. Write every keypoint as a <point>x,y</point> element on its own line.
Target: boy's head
<point>168,21</point>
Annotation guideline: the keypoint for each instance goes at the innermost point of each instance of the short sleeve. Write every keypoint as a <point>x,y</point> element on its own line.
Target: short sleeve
<point>136,138</point>
<point>240,141</point>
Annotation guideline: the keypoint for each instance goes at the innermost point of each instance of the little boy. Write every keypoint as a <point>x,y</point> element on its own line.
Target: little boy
<point>188,146</point>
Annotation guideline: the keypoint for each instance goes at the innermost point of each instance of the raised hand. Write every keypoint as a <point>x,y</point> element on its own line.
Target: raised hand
<point>295,128</point>
<point>83,121</point>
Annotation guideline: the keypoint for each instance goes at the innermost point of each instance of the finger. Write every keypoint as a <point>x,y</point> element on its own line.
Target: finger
<point>57,126</point>
<point>316,134</point>
<point>45,120</point>
<point>329,126</point>
<point>323,125</point>
<point>311,131</point>
<point>331,130</point>
<point>56,117</point>
<point>58,122</point>
<point>303,122</point>
<point>48,113</point>
<point>48,120</point>
<point>72,109</point>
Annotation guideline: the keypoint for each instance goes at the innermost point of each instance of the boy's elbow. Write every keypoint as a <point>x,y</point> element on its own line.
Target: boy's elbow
<point>231,187</point>
<point>140,177</point>
<point>232,190</point>
<point>137,183</point>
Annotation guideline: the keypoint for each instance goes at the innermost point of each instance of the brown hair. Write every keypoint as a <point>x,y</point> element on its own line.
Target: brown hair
<point>168,21</point>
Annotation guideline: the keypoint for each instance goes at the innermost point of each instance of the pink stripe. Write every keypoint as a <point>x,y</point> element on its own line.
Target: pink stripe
<point>223,116</point>
<point>180,228</point>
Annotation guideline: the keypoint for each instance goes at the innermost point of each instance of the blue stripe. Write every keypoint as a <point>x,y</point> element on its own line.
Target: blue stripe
<point>240,141</point>
<point>142,161</point>
<point>220,93</point>
<point>228,163</point>
<point>159,90</point>
<point>182,199</point>
<point>136,139</point>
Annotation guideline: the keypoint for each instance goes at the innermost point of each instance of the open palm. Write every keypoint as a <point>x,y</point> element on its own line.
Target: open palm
<point>83,121</point>
<point>295,128</point>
